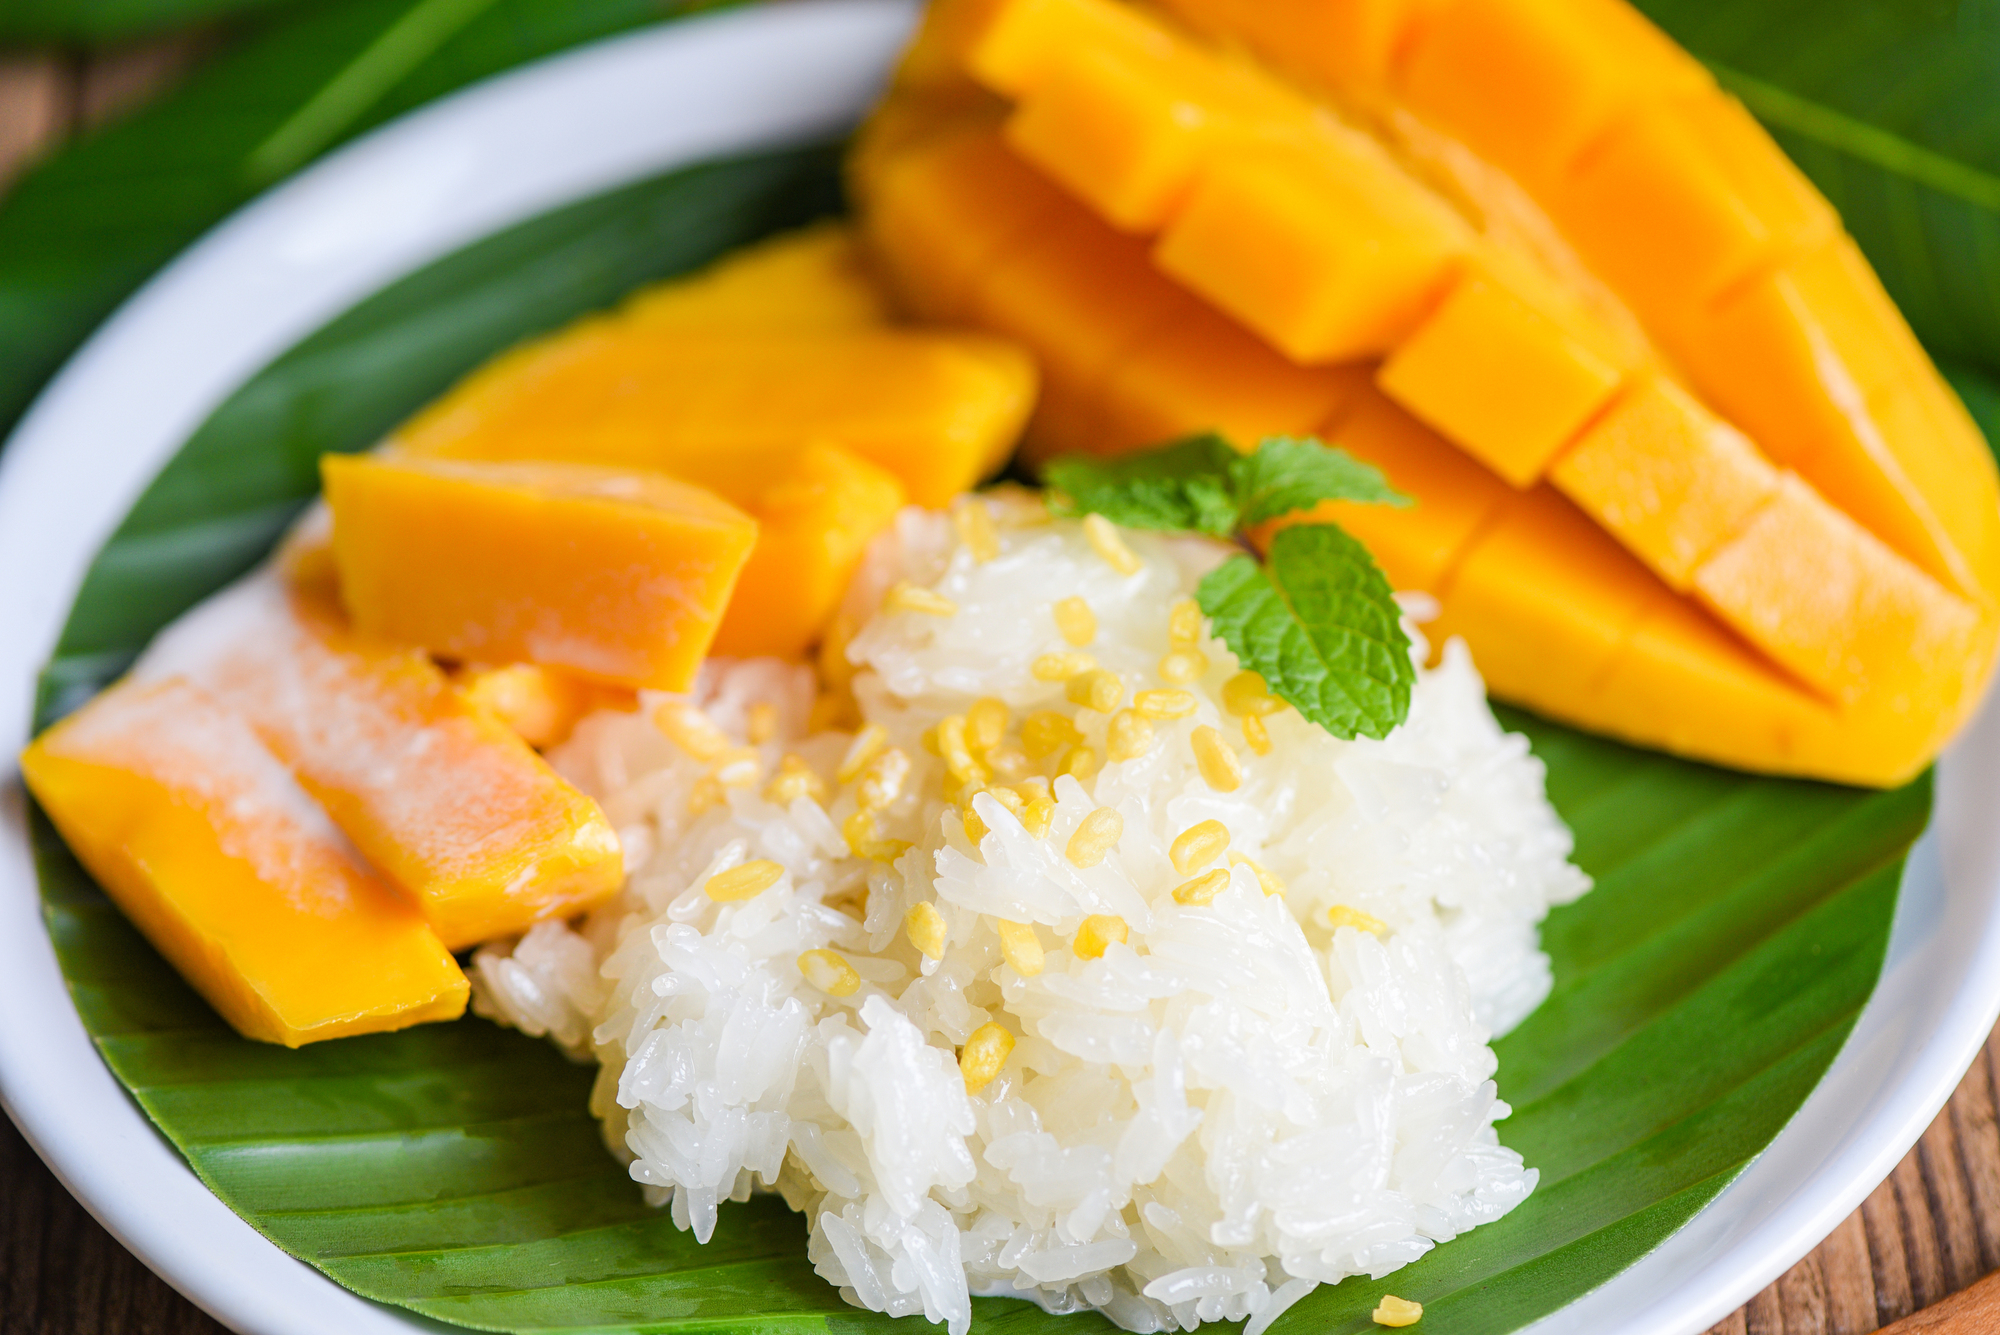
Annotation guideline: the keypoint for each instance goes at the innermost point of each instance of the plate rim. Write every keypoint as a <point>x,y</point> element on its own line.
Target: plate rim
<point>1904,1058</point>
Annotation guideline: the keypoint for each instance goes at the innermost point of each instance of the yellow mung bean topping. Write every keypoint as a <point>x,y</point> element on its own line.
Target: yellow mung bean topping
<point>707,792</point>
<point>795,779</point>
<point>1183,666</point>
<point>908,597</point>
<point>926,929</point>
<point>1341,915</point>
<point>1095,933</point>
<point>747,881</point>
<point>975,828</point>
<point>1129,736</point>
<point>1201,889</point>
<point>1047,732</point>
<point>760,725</point>
<point>738,767</point>
<point>1256,735</point>
<point>1009,799</point>
<point>986,723</point>
<point>1039,815</point>
<point>1184,624</point>
<point>983,1056</point>
<point>1246,694</point>
<point>959,761</point>
<point>1198,845</point>
<point>974,523</point>
<point>860,751</point>
<point>1094,837</point>
<point>1220,769</point>
<point>1098,689</point>
<point>1076,621</point>
<point>1080,762</point>
<point>829,973</point>
<point>881,779</point>
<point>1061,667</point>
<point>1394,1311</point>
<point>1108,543</point>
<point>1021,948</point>
<point>1164,704</point>
<point>691,730</point>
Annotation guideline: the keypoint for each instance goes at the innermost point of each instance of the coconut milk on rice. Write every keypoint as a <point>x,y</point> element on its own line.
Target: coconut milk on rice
<point>1239,1101</point>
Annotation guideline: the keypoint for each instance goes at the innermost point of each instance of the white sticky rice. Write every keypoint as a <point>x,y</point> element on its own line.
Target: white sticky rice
<point>1236,1104</point>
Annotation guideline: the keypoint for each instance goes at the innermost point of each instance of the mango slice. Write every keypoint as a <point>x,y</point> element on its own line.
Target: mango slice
<point>214,852</point>
<point>439,796</point>
<point>816,278</point>
<point>1579,268</point>
<point>617,575</point>
<point>728,412</point>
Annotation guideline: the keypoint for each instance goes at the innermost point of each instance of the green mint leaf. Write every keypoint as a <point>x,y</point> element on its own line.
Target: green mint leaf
<point>1320,626</point>
<point>1181,487</point>
<point>1288,474</point>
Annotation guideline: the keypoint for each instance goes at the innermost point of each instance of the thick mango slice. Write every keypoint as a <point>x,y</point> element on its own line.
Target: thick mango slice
<point>212,849</point>
<point>1734,312</point>
<point>813,279</point>
<point>437,794</point>
<point>814,523</point>
<point>617,575</point>
<point>939,410</point>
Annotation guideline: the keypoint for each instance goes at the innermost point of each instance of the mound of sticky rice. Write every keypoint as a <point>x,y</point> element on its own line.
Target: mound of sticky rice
<point>992,1040</point>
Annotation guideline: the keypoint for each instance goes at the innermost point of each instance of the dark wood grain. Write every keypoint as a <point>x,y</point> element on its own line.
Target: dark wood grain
<point>1929,1232</point>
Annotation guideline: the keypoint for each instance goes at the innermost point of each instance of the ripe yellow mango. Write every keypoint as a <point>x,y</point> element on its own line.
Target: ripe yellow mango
<point>617,575</point>
<point>728,412</point>
<point>212,849</point>
<point>813,279</point>
<point>814,523</point>
<point>440,797</point>
<point>1739,400</point>
<point>542,705</point>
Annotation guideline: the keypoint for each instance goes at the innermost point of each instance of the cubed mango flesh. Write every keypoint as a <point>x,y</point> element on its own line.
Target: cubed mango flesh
<point>1012,45</point>
<point>212,849</point>
<point>1348,44</point>
<point>938,409</point>
<point>814,523</point>
<point>1498,370</point>
<point>617,575</point>
<point>439,795</point>
<point>1667,478</point>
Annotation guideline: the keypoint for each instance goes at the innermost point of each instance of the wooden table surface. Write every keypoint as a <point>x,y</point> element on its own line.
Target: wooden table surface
<point>1929,1231</point>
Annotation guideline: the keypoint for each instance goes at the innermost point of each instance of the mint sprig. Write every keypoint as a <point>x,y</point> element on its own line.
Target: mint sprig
<point>1316,617</point>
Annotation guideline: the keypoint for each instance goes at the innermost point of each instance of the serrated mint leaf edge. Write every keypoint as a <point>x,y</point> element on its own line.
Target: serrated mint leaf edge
<point>1305,471</point>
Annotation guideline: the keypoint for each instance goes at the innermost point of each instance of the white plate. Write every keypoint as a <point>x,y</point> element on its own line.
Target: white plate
<point>570,127</point>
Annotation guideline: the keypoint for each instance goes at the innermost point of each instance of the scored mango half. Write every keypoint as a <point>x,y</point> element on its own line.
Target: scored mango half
<point>1682,472</point>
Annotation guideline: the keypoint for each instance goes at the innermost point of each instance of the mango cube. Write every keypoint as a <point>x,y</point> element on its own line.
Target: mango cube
<point>1011,45</point>
<point>1530,84</point>
<point>439,796</point>
<point>1685,199</point>
<point>1349,44</point>
<point>813,524</point>
<point>619,576</point>
<point>214,852</point>
<point>1667,478</point>
<point>1497,372</point>
<point>1832,603</point>
<point>1329,257</point>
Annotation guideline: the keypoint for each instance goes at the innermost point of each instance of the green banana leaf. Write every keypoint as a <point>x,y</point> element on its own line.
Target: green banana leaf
<point>95,21</point>
<point>1737,928</point>
<point>1891,107</point>
<point>80,232</point>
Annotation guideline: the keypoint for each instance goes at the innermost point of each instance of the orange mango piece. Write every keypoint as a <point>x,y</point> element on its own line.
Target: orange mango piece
<point>1011,46</point>
<point>438,794</point>
<point>1816,363</point>
<point>540,704</point>
<point>814,524</point>
<point>816,278</point>
<point>214,852</point>
<point>1667,478</point>
<point>1685,199</point>
<point>1831,602</point>
<point>1499,369</point>
<point>1348,44</point>
<point>616,575</point>
<point>1531,84</point>
<point>939,410</point>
